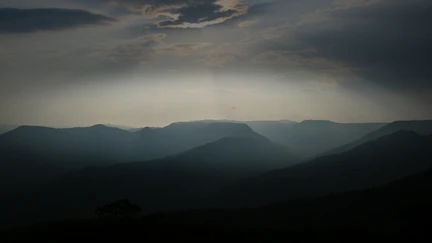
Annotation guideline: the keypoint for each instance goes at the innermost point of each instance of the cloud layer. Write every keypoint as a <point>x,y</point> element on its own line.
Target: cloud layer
<point>183,13</point>
<point>14,20</point>
<point>388,43</point>
<point>347,60</point>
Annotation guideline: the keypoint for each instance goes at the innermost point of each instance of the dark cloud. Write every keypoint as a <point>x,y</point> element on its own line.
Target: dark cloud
<point>198,13</point>
<point>152,5</point>
<point>183,13</point>
<point>388,43</point>
<point>50,19</point>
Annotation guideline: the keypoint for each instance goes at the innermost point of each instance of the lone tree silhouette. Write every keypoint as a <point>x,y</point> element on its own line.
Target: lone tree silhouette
<point>119,209</point>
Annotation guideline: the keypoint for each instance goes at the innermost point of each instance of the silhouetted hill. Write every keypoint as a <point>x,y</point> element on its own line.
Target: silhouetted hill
<point>208,127</point>
<point>312,137</point>
<point>307,138</point>
<point>270,129</point>
<point>404,203</point>
<point>32,154</point>
<point>374,163</point>
<point>180,181</point>
<point>420,127</point>
<point>25,137</point>
<point>165,230</point>
<point>7,128</point>
<point>237,155</point>
<point>102,143</point>
<point>126,128</point>
<point>399,211</point>
<point>183,136</point>
<point>401,204</point>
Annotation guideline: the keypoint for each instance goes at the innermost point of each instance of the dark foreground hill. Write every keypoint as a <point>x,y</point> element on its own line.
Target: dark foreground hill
<point>149,230</point>
<point>206,177</point>
<point>374,163</point>
<point>398,211</point>
<point>402,203</point>
<point>181,181</point>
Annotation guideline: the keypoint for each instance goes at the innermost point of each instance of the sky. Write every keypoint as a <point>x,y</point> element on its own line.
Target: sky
<point>153,62</point>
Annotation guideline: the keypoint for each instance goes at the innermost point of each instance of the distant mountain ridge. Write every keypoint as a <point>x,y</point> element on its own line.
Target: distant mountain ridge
<point>180,136</point>
<point>307,138</point>
<point>268,128</point>
<point>422,127</point>
<point>196,164</point>
<point>312,137</point>
<point>51,152</point>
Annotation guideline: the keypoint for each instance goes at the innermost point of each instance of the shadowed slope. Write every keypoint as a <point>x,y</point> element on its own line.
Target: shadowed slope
<point>420,127</point>
<point>182,181</point>
<point>374,163</point>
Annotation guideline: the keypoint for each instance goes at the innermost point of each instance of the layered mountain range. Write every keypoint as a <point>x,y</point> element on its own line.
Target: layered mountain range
<point>225,164</point>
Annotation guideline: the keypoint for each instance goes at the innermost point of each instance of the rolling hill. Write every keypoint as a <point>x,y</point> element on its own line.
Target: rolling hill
<point>32,155</point>
<point>307,138</point>
<point>396,211</point>
<point>180,181</point>
<point>6,128</point>
<point>420,127</point>
<point>312,137</point>
<point>401,204</point>
<point>375,163</point>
